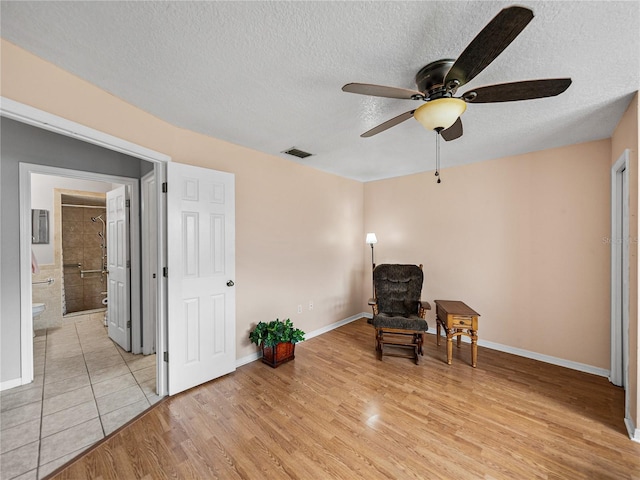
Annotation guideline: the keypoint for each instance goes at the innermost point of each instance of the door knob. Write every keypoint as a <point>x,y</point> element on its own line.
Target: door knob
<point>230,283</point>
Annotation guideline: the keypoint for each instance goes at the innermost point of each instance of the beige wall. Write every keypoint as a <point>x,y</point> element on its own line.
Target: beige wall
<point>520,239</point>
<point>298,230</point>
<point>625,137</point>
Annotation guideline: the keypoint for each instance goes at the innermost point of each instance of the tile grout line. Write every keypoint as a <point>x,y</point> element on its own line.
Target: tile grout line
<point>42,410</point>
<point>82,348</point>
<point>120,353</point>
<point>42,416</point>
<point>133,375</point>
<point>44,376</point>
<point>93,393</point>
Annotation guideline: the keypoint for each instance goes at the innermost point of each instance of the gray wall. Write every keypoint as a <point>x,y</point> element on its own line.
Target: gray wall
<point>23,143</point>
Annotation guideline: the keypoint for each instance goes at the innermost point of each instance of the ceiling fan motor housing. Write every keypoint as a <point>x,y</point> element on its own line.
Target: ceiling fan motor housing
<point>430,78</point>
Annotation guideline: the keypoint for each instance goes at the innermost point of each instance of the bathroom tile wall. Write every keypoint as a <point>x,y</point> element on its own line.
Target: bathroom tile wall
<point>72,253</point>
<point>94,283</point>
<point>81,244</point>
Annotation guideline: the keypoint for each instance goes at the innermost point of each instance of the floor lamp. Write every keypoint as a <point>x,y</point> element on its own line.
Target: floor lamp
<point>371,240</point>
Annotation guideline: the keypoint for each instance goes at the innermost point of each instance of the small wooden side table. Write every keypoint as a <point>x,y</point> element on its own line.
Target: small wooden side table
<point>457,319</point>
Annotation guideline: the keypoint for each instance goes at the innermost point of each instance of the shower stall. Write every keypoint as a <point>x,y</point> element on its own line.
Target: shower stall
<point>84,253</point>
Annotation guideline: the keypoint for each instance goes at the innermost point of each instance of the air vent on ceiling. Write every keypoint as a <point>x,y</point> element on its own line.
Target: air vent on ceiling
<point>298,153</point>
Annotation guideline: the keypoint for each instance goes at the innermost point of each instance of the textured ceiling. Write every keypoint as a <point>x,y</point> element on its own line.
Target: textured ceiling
<point>268,75</point>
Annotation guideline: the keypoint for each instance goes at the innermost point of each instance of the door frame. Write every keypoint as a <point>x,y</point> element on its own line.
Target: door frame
<point>132,186</point>
<point>32,116</point>
<point>619,372</point>
<point>149,191</point>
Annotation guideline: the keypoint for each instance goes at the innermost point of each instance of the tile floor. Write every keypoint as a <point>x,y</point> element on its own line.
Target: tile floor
<point>85,387</point>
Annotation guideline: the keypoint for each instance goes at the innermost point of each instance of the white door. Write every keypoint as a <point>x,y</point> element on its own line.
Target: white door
<point>118,306</point>
<point>201,270</point>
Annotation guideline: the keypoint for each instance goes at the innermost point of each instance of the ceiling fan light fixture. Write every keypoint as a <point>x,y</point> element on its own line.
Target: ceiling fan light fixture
<point>440,114</point>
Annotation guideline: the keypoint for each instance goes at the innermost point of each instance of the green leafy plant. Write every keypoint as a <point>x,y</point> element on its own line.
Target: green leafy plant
<point>271,333</point>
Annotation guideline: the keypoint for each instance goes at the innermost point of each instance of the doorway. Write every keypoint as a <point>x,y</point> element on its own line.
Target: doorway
<point>219,263</point>
<point>89,385</point>
<point>619,241</point>
<point>84,247</point>
<point>131,185</point>
<point>47,122</point>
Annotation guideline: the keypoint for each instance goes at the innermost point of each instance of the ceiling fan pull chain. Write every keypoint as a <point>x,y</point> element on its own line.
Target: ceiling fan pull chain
<point>438,157</point>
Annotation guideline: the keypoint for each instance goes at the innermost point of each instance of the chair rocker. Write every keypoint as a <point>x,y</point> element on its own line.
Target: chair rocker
<point>399,316</point>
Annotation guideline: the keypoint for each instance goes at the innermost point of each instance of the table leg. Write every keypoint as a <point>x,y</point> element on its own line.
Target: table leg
<point>449,347</point>
<point>459,339</point>
<point>474,348</point>
<point>437,331</point>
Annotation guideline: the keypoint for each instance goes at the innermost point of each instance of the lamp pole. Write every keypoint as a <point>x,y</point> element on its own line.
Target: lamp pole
<point>371,240</point>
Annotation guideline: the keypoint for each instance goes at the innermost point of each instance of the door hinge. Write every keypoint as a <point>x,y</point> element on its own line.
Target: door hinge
<point>164,187</point>
<point>128,263</point>
<point>128,323</point>
<point>165,272</point>
<point>127,203</point>
<point>166,357</point>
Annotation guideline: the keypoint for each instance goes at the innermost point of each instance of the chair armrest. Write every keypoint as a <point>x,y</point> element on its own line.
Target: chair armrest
<point>424,306</point>
<point>373,303</point>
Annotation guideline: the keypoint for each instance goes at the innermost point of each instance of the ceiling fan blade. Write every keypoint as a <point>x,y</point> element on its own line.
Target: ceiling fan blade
<point>511,92</point>
<point>489,43</point>
<point>382,91</point>
<point>388,124</point>
<point>453,132</point>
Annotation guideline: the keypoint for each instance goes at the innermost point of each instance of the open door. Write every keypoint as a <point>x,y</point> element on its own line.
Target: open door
<point>201,271</point>
<point>118,286</point>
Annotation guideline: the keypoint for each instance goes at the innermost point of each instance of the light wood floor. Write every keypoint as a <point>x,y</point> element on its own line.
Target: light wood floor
<point>338,412</point>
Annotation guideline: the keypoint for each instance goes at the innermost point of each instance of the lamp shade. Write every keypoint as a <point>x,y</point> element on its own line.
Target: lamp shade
<point>440,114</point>
<point>371,238</point>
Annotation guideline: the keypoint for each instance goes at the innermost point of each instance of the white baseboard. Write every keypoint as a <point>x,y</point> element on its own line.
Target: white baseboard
<point>333,326</point>
<point>255,356</point>
<point>634,433</point>
<point>581,367</point>
<point>248,359</point>
<point>16,382</point>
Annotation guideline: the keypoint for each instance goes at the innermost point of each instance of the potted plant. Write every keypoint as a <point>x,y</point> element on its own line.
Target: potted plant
<point>277,340</point>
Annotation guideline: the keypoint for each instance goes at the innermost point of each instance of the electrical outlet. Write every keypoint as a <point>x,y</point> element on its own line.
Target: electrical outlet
<point>310,304</point>
<point>299,308</point>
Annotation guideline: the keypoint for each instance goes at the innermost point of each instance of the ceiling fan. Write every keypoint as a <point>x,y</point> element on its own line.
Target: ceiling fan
<point>438,82</point>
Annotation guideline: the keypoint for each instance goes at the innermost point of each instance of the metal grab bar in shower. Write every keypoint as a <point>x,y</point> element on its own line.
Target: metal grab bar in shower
<point>48,281</point>
<point>82,272</point>
<point>77,265</point>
